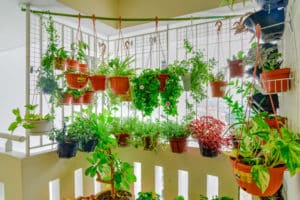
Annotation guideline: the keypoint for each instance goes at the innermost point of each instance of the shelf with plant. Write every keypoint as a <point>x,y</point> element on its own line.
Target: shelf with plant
<point>218,84</point>
<point>105,164</point>
<point>34,123</point>
<point>145,91</point>
<point>120,73</point>
<point>198,69</point>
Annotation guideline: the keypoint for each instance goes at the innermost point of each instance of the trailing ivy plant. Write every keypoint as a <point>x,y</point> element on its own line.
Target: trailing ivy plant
<point>145,91</point>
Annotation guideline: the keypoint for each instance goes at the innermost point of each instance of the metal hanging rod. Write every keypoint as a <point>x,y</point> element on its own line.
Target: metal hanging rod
<point>149,19</point>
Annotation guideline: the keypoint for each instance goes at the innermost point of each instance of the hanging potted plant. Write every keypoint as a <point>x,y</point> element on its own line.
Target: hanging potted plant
<point>145,91</point>
<point>67,143</point>
<point>176,134</point>
<point>208,131</point>
<point>81,56</point>
<point>60,59</point>
<point>120,73</point>
<point>117,129</point>
<point>236,68</point>
<point>34,124</point>
<point>98,76</point>
<point>262,156</point>
<point>217,84</point>
<point>76,80</point>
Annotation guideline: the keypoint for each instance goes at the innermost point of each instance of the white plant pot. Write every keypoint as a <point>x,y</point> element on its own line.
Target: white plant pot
<point>41,127</point>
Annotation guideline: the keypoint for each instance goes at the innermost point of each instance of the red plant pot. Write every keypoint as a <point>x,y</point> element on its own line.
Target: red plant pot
<point>272,122</point>
<point>119,84</point>
<point>88,97</point>
<point>236,68</point>
<point>71,64</point>
<point>83,67</point>
<point>98,82</point>
<point>242,174</point>
<point>76,81</point>
<point>276,80</point>
<point>59,63</point>
<point>67,99</point>
<point>77,101</point>
<point>178,144</point>
<point>162,80</point>
<point>122,139</point>
<point>149,143</point>
<point>218,88</point>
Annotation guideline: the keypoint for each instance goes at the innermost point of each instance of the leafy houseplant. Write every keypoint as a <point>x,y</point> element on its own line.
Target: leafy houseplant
<point>199,71</point>
<point>145,91</point>
<point>98,76</point>
<point>263,155</point>
<point>218,84</point>
<point>60,59</point>
<point>120,73</point>
<point>177,135</point>
<point>34,124</point>
<point>148,196</point>
<point>81,56</point>
<point>208,131</point>
<point>236,68</point>
<point>104,163</point>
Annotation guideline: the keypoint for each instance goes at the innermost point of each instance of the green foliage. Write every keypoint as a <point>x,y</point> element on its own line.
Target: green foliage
<point>239,56</point>
<point>61,53</point>
<point>202,197</point>
<point>101,69</point>
<point>29,115</point>
<point>219,76</point>
<point>145,91</point>
<point>62,135</point>
<point>82,47</point>
<point>121,68</point>
<point>171,129</point>
<point>179,198</point>
<point>148,196</point>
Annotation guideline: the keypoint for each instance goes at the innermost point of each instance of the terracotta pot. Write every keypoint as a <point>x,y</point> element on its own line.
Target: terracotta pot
<point>242,174</point>
<point>162,80</point>
<point>122,139</point>
<point>98,82</point>
<point>71,64</point>
<point>126,97</point>
<point>178,144</point>
<point>76,81</point>
<point>218,88</point>
<point>119,84</point>
<point>88,97</point>
<point>41,127</point>
<point>67,99</point>
<point>206,152</point>
<point>276,80</point>
<point>59,63</point>
<point>150,143</point>
<point>186,79</point>
<point>272,122</point>
<point>236,68</point>
<point>77,101</point>
<point>83,67</point>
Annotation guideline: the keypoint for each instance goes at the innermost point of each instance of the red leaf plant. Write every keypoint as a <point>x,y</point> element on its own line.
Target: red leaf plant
<point>208,131</point>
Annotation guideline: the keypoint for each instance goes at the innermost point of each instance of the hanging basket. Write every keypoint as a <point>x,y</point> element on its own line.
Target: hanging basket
<point>236,68</point>
<point>83,67</point>
<point>242,174</point>
<point>67,149</point>
<point>67,99</point>
<point>162,80</point>
<point>71,64</point>
<point>186,79</point>
<point>88,97</point>
<point>178,144</point>
<point>76,81</point>
<point>218,88</point>
<point>119,84</point>
<point>122,139</point>
<point>41,127</point>
<point>88,146</point>
<point>276,80</point>
<point>98,82</point>
<point>77,101</point>
<point>59,63</point>
<point>206,152</point>
<point>150,143</point>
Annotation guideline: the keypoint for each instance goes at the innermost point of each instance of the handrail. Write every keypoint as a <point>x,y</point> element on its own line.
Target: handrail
<point>12,137</point>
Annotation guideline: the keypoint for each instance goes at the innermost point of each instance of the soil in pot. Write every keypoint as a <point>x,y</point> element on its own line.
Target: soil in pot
<point>122,139</point>
<point>98,82</point>
<point>120,195</point>
<point>67,149</point>
<point>276,80</point>
<point>76,80</point>
<point>207,152</point>
<point>71,64</point>
<point>162,80</point>
<point>88,146</point>
<point>119,84</point>
<point>236,68</point>
<point>218,88</point>
<point>178,144</point>
<point>59,63</point>
<point>242,174</point>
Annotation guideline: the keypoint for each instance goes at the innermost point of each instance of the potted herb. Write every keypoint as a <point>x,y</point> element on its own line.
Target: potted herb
<point>67,142</point>
<point>197,72</point>
<point>35,124</point>
<point>208,131</point>
<point>236,68</point>
<point>217,84</point>
<point>81,56</point>
<point>148,196</point>
<point>60,59</point>
<point>105,164</point>
<point>76,80</point>
<point>176,134</point>
<point>120,73</point>
<point>145,91</point>
<point>98,76</point>
<point>262,156</point>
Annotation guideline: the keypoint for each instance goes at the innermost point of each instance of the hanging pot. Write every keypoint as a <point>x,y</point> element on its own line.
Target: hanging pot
<point>41,127</point>
<point>119,84</point>
<point>98,82</point>
<point>76,80</point>
<point>88,97</point>
<point>83,67</point>
<point>88,146</point>
<point>276,80</point>
<point>67,99</point>
<point>207,152</point>
<point>186,79</point>
<point>77,101</point>
<point>150,143</point>
<point>272,4</point>
<point>236,68</point>
<point>67,149</point>
<point>59,63</point>
<point>178,144</point>
<point>71,64</point>
<point>162,80</point>
<point>122,139</point>
<point>218,88</point>
<point>243,177</point>
<point>272,122</point>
